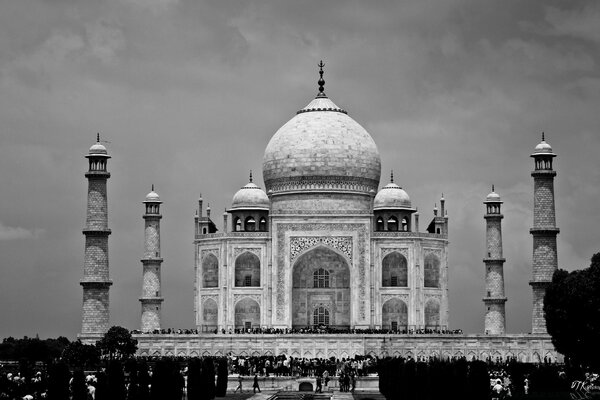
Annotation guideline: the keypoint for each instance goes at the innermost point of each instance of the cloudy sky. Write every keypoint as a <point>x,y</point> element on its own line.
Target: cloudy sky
<point>455,93</point>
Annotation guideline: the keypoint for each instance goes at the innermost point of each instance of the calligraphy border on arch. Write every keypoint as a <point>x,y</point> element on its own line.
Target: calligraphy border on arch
<point>300,243</point>
<point>283,228</point>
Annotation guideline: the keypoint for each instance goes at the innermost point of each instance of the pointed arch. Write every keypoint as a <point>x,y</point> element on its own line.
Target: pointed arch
<point>247,270</point>
<point>210,271</point>
<point>210,314</point>
<point>432,314</point>
<point>394,314</point>
<point>247,314</point>
<point>431,271</point>
<point>394,270</point>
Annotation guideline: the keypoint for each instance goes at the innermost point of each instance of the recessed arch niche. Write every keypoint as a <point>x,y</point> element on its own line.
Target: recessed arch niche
<point>321,281</point>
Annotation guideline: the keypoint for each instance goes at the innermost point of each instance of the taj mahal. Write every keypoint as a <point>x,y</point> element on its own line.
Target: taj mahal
<point>327,243</point>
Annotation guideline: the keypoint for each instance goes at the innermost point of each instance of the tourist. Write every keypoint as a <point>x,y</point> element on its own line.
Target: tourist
<point>255,385</point>
<point>239,386</point>
<point>319,388</point>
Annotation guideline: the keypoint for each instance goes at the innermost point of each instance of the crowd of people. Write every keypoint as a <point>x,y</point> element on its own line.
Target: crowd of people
<point>284,365</point>
<point>310,330</point>
<point>15,385</point>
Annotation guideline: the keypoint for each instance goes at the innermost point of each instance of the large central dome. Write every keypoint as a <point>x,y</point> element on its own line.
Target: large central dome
<point>321,149</point>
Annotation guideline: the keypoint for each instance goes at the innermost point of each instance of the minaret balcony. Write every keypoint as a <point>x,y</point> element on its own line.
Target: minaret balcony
<point>544,231</point>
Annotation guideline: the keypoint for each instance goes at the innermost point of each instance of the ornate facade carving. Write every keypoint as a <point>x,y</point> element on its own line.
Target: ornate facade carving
<point>435,251</point>
<point>387,250</point>
<point>401,296</point>
<point>239,296</point>
<point>298,244</point>
<point>328,183</point>
<point>205,297</point>
<point>205,252</point>
<point>254,250</point>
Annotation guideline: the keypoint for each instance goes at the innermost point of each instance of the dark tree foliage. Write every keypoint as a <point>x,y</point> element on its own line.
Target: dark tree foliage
<point>78,386</point>
<point>116,381</point>
<point>32,349</point>
<point>222,376</point>
<point>193,380</point>
<point>58,381</point>
<point>131,369</point>
<point>143,382</point>
<point>572,310</point>
<point>102,386</point>
<point>207,379</point>
<point>478,380</point>
<point>77,354</point>
<point>165,381</point>
<point>117,344</point>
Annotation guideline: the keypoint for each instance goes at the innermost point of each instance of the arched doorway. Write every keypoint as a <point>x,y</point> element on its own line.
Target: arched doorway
<point>210,315</point>
<point>394,315</point>
<point>321,289</point>
<point>247,314</point>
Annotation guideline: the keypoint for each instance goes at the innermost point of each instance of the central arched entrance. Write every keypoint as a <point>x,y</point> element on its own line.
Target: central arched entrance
<point>321,289</point>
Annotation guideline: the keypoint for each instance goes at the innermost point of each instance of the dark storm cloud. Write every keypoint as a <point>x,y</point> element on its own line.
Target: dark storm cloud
<point>188,93</point>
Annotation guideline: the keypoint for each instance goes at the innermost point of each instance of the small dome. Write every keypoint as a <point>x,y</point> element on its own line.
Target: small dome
<point>152,196</point>
<point>391,196</point>
<point>543,148</point>
<point>98,148</point>
<point>250,197</point>
<point>493,196</point>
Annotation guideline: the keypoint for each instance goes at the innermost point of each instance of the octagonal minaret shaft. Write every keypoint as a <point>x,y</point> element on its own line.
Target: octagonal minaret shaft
<point>544,231</point>
<point>495,314</point>
<point>96,282</point>
<point>151,296</point>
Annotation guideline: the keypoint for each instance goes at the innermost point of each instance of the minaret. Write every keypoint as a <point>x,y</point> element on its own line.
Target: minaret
<point>96,282</point>
<point>544,232</point>
<point>495,314</point>
<point>151,297</point>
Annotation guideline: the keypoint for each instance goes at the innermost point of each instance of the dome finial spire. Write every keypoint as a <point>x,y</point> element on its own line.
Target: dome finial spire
<point>543,138</point>
<point>392,176</point>
<point>98,137</point>
<point>250,176</point>
<point>153,187</point>
<point>321,80</point>
<point>493,190</point>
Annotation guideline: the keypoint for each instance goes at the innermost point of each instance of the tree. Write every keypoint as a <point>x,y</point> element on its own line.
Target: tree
<point>77,354</point>
<point>117,344</point>
<point>572,310</point>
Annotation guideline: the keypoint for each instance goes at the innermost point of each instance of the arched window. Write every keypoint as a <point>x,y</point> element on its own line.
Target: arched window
<point>394,270</point>
<point>247,270</point>
<point>237,224</point>
<point>379,225</point>
<point>392,224</point>
<point>404,224</point>
<point>262,225</point>
<point>432,271</point>
<point>210,315</point>
<point>247,314</point>
<point>321,316</point>
<point>394,315</point>
<point>432,314</point>
<point>210,271</point>
<point>250,224</point>
<point>321,278</point>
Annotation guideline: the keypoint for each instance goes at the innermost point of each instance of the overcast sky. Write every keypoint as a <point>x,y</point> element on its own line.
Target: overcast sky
<point>455,93</point>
